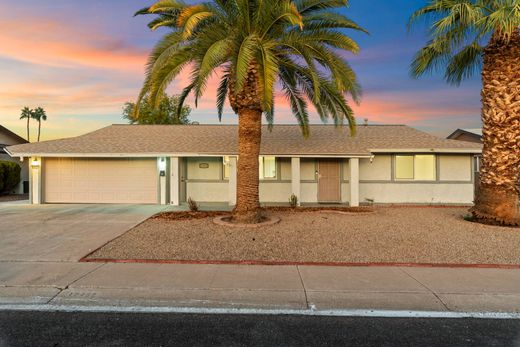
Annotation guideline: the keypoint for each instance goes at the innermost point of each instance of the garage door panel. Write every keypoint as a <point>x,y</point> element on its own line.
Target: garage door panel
<point>78,180</point>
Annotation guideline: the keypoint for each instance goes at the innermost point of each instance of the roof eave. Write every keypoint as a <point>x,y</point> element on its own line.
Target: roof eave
<point>426,150</point>
<point>153,155</point>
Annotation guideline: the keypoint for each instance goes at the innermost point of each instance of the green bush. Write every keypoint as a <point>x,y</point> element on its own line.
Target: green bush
<point>9,176</point>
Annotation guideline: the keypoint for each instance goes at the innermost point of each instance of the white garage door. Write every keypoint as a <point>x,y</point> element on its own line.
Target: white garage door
<point>77,180</point>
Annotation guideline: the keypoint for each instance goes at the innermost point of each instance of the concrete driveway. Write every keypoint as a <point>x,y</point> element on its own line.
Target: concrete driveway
<point>63,232</point>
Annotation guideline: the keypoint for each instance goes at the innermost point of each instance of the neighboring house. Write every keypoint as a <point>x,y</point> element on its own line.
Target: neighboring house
<point>159,164</point>
<point>470,135</point>
<point>8,138</point>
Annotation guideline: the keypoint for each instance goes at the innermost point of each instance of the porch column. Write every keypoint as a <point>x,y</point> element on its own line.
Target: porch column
<point>232,184</point>
<point>35,186</point>
<point>295,178</point>
<point>174,181</point>
<point>354,181</point>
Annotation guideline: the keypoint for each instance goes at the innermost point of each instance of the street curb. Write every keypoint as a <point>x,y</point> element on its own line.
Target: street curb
<point>296,263</point>
<point>245,311</point>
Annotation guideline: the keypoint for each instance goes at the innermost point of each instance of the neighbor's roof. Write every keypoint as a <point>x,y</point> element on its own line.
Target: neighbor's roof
<point>475,131</point>
<point>324,140</point>
<point>12,134</point>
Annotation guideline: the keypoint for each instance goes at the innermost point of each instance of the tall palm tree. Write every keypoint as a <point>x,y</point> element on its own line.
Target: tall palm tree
<point>255,46</point>
<point>468,36</point>
<point>39,115</point>
<point>27,114</point>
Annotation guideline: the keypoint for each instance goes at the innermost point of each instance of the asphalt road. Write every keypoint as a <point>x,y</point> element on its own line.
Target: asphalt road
<point>144,329</point>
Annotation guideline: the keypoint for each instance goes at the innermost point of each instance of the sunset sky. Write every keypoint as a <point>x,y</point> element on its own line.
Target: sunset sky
<point>81,60</point>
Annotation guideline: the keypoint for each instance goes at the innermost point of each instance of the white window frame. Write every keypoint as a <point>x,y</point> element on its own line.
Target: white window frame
<point>261,170</point>
<point>225,167</point>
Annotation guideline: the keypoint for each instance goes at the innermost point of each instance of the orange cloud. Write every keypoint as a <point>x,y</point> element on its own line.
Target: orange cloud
<point>58,44</point>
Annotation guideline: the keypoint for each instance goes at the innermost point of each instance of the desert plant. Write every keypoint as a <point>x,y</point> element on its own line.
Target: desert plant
<point>369,201</point>
<point>293,201</point>
<point>254,46</point>
<point>9,176</point>
<point>192,204</point>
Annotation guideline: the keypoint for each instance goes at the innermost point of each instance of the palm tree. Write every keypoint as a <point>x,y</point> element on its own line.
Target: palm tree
<point>468,36</point>
<point>27,114</point>
<point>39,114</point>
<point>255,46</point>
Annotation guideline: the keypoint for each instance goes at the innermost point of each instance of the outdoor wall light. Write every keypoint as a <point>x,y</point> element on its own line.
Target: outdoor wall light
<point>162,167</point>
<point>35,163</point>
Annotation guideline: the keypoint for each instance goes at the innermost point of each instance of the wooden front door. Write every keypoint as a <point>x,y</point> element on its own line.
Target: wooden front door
<point>329,181</point>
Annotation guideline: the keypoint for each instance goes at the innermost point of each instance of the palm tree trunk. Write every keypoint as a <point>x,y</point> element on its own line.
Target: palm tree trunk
<point>247,209</point>
<point>247,104</point>
<point>28,139</point>
<point>39,128</point>
<point>498,197</point>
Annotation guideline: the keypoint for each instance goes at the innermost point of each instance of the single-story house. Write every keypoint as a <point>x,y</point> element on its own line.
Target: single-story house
<point>9,138</point>
<point>470,135</point>
<point>167,164</point>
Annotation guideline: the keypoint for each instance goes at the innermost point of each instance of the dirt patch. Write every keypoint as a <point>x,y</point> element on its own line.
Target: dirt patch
<point>183,215</point>
<point>390,235</point>
<point>360,209</point>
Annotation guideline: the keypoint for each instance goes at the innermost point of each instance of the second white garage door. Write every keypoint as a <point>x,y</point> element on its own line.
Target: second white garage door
<point>78,180</point>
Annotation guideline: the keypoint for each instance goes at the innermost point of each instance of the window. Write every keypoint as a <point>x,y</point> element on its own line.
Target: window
<point>267,167</point>
<point>415,167</point>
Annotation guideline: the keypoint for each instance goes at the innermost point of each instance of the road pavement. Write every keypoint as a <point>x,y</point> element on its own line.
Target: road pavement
<point>145,329</point>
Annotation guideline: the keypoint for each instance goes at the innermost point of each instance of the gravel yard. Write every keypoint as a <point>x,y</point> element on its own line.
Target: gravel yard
<point>403,235</point>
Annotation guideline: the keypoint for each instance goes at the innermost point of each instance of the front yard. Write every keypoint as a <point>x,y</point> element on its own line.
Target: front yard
<point>390,235</point>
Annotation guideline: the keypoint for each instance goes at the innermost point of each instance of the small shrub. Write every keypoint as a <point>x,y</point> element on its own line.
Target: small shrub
<point>293,201</point>
<point>9,176</point>
<point>192,204</point>
<point>469,217</point>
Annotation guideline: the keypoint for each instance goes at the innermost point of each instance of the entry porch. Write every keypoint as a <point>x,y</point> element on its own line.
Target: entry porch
<point>324,180</point>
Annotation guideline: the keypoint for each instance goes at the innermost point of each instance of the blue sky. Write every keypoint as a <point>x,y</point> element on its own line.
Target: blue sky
<point>82,60</point>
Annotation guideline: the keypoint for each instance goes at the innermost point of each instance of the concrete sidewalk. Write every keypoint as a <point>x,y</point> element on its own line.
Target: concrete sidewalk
<point>260,287</point>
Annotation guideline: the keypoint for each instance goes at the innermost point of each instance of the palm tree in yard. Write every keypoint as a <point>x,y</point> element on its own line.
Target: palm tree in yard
<point>468,36</point>
<point>255,46</point>
<point>39,115</point>
<point>26,114</point>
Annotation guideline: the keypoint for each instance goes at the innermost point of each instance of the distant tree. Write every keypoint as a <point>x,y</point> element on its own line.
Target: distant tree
<point>166,113</point>
<point>26,114</point>
<point>39,115</point>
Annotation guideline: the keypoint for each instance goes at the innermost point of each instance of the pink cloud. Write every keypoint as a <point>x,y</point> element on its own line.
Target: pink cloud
<point>56,43</point>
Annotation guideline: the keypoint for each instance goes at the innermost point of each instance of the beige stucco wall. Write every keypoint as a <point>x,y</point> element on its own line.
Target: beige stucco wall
<point>309,192</point>
<point>380,169</point>
<point>213,172</point>
<point>207,191</point>
<point>275,191</point>
<point>434,193</point>
<point>451,168</point>
<point>455,167</point>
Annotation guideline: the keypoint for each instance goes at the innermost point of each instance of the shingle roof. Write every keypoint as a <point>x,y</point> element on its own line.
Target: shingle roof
<point>474,131</point>
<point>149,140</point>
